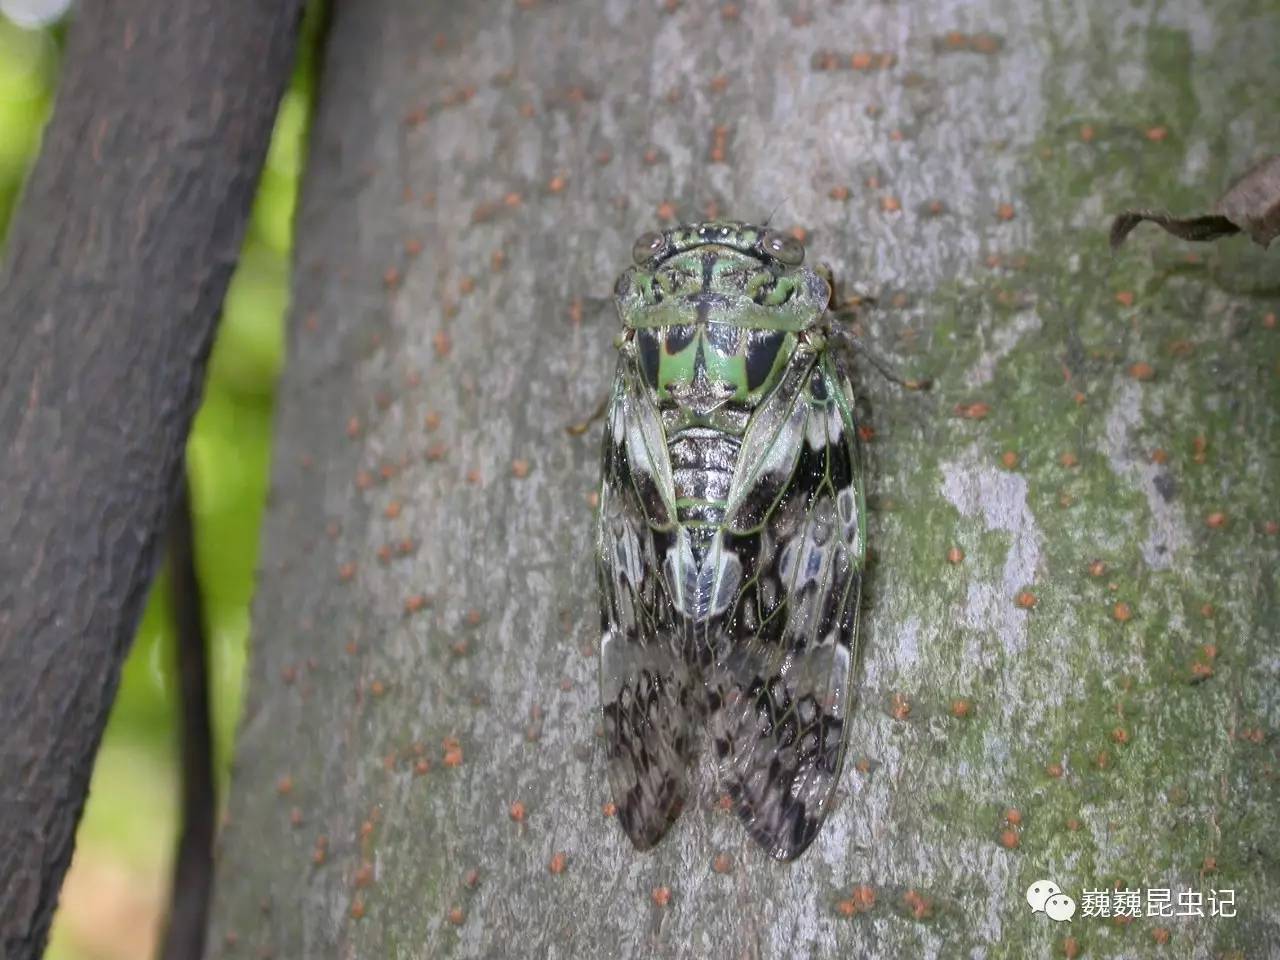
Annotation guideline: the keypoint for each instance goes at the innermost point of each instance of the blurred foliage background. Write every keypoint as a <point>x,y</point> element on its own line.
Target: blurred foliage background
<point>115,896</point>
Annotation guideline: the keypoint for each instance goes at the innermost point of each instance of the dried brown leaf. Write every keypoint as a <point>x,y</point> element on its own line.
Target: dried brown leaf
<point>1252,205</point>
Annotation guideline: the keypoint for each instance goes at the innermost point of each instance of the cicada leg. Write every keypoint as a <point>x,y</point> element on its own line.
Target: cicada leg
<point>582,426</point>
<point>841,312</point>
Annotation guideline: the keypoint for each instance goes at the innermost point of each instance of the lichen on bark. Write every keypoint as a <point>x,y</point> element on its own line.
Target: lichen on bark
<point>1067,668</point>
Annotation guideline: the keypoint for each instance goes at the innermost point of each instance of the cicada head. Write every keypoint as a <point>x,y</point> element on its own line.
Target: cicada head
<point>716,309</point>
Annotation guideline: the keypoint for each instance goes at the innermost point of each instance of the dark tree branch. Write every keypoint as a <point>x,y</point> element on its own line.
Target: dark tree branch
<point>193,864</point>
<point>118,261</point>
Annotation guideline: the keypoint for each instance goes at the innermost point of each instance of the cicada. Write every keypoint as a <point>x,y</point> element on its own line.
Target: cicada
<point>731,538</point>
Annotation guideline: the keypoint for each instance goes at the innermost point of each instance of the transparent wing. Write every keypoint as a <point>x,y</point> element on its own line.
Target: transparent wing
<point>647,690</point>
<point>780,684</point>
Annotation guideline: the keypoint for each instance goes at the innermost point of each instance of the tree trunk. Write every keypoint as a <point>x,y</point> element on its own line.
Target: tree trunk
<point>117,263</point>
<point>1067,667</point>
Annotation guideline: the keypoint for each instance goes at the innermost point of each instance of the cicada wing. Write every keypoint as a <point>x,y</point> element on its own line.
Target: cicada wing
<point>782,678</point>
<point>647,689</point>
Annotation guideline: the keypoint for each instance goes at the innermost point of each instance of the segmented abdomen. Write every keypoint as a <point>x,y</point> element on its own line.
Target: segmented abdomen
<point>702,463</point>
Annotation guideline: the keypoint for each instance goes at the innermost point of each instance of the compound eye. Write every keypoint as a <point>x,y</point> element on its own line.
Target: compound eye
<point>649,245</point>
<point>783,247</point>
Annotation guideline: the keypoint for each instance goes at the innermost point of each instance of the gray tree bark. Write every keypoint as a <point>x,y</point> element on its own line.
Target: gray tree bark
<point>1068,669</point>
<point>117,262</point>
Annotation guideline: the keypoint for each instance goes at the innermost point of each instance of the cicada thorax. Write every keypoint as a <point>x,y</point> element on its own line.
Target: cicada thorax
<point>706,380</point>
<point>712,328</point>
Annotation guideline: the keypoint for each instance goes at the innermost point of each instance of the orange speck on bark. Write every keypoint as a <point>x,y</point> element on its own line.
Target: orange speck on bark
<point>961,708</point>
<point>973,411</point>
<point>900,707</point>
<point>1005,211</point>
<point>1026,600</point>
<point>1125,298</point>
<point>558,863</point>
<point>1142,371</point>
<point>666,210</point>
<point>1122,612</point>
<point>1009,459</point>
<point>1156,134</point>
<point>1216,520</point>
<point>1201,671</point>
<point>661,896</point>
<point>364,875</point>
<point>1087,133</point>
<point>955,556</point>
<point>890,204</point>
<point>920,906</point>
<point>557,184</point>
<point>517,812</point>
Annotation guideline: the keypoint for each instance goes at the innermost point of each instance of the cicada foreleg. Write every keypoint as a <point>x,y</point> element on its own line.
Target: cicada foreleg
<point>841,312</point>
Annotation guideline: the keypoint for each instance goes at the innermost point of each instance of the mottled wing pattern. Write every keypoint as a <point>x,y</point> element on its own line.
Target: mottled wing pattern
<point>781,684</point>
<point>648,692</point>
